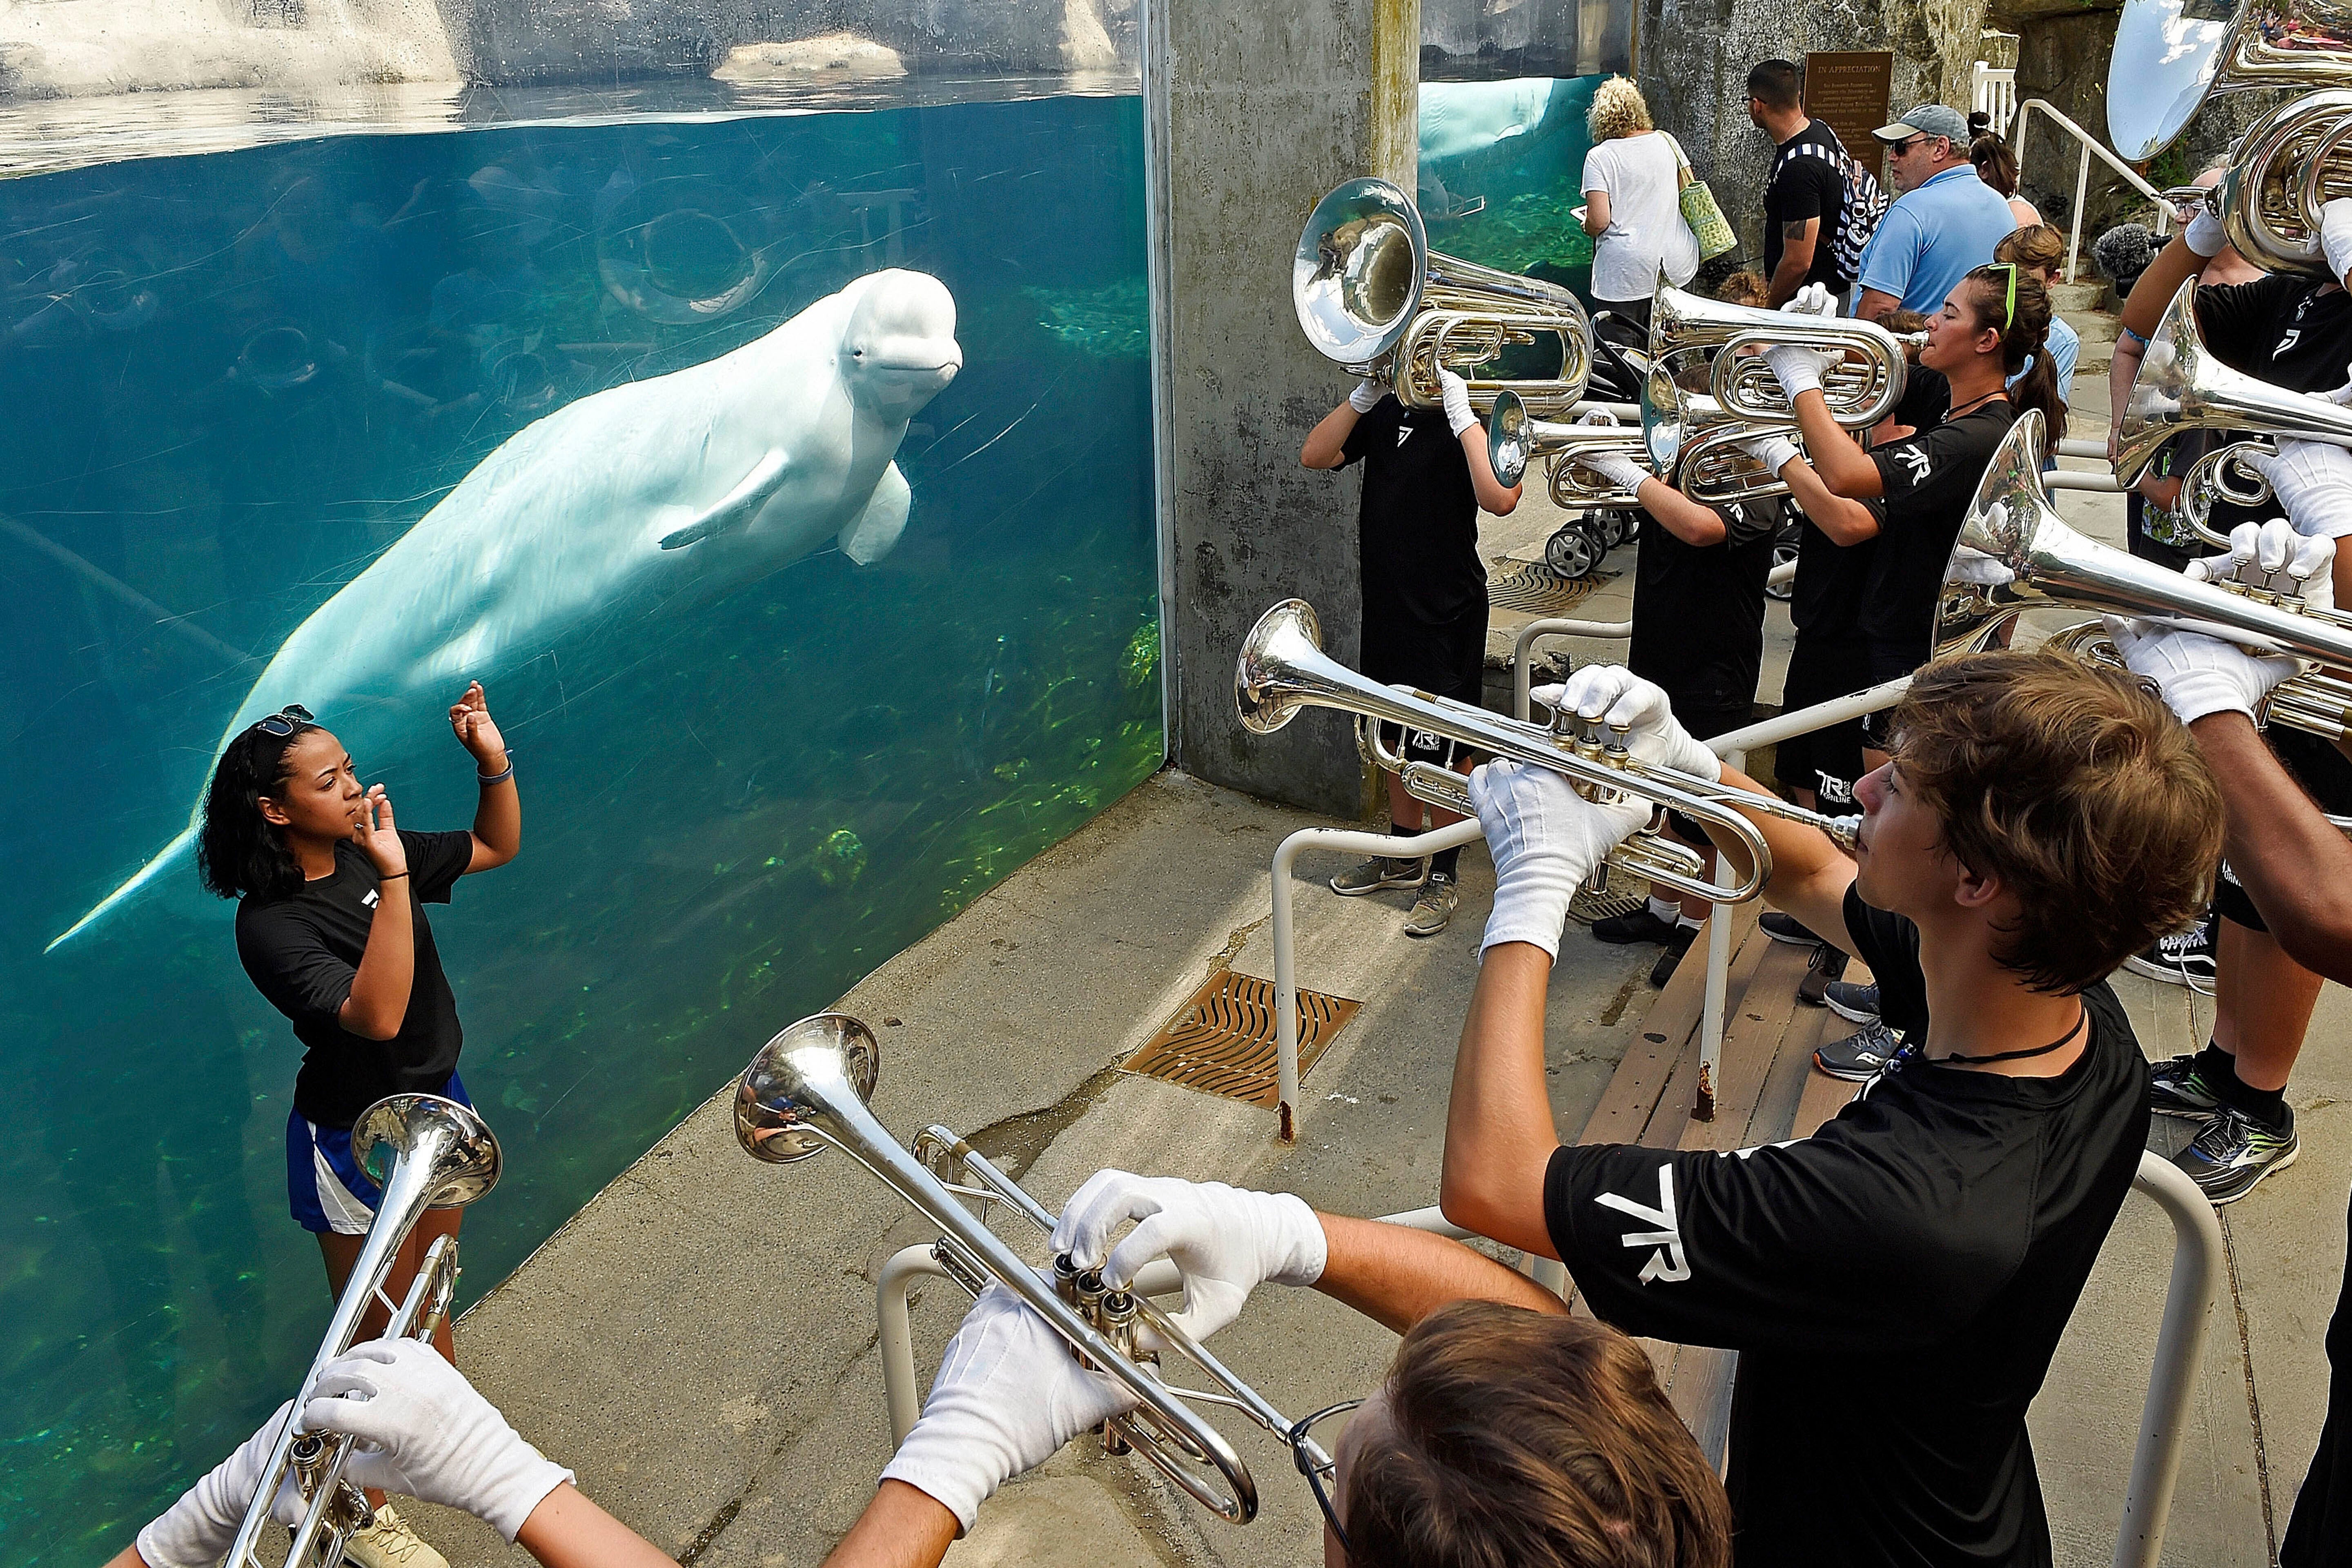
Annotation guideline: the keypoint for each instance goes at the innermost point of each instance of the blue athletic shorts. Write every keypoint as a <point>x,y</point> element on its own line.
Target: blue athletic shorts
<point>325,1187</point>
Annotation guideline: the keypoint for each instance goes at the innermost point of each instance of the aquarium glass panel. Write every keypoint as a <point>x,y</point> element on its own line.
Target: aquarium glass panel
<point>1502,172</point>
<point>574,408</point>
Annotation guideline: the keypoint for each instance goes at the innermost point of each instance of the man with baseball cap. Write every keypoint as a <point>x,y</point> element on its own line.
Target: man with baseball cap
<point>1946,221</point>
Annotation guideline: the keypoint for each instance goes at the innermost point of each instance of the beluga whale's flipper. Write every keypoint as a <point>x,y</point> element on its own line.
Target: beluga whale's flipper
<point>737,506</point>
<point>171,857</point>
<point>868,536</point>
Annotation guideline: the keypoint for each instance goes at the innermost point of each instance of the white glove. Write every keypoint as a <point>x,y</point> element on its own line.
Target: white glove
<point>2198,675</point>
<point>2335,236</point>
<point>1612,695</point>
<point>2342,396</point>
<point>1457,402</point>
<point>2204,233</point>
<point>1970,565</point>
<point>2313,481</point>
<point>1596,416</point>
<point>1773,451</point>
<point>424,1432</point>
<point>1546,840</point>
<point>1616,467</point>
<point>197,1530</point>
<point>1225,1242</point>
<point>1799,369</point>
<point>1813,300</point>
<point>1367,396</point>
<point>1008,1395</point>
<point>2273,555</point>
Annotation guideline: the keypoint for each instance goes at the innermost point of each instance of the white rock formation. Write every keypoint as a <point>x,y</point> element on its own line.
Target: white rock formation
<point>835,54</point>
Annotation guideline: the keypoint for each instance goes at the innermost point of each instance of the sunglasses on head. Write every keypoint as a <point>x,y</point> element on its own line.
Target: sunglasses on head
<point>2009,311</point>
<point>288,721</point>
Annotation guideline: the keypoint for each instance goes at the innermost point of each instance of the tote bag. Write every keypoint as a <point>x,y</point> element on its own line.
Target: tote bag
<point>1706,219</point>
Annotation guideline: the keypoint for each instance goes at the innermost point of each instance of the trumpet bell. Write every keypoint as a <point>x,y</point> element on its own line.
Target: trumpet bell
<point>1509,441</point>
<point>1355,278</point>
<point>2181,386</point>
<point>467,1161</point>
<point>783,1100</point>
<point>1286,638</point>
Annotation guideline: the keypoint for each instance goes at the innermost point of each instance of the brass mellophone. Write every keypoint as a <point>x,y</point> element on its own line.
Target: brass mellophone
<point>806,1091</point>
<point>443,1156</point>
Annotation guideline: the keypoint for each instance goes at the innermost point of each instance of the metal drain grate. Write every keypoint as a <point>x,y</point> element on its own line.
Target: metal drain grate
<point>1530,585</point>
<point>1222,1041</point>
<point>1625,894</point>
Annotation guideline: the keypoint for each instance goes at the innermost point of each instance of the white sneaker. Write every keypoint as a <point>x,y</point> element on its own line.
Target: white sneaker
<point>391,1544</point>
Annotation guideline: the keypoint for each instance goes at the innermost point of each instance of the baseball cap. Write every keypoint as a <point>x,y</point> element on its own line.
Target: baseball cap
<point>1928,120</point>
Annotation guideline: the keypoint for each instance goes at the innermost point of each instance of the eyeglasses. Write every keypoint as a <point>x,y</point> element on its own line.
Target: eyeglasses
<point>1318,1469</point>
<point>288,721</point>
<point>1896,149</point>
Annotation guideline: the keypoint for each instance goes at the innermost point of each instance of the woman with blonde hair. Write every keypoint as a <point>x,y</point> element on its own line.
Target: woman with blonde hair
<point>1633,204</point>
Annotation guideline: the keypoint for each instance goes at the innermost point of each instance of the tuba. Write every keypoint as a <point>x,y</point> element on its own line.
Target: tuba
<point>1515,437</point>
<point>442,1157</point>
<point>1860,390</point>
<point>2042,563</point>
<point>806,1092</point>
<point>2182,386</point>
<point>1372,296</point>
<point>2170,55</point>
<point>2292,162</point>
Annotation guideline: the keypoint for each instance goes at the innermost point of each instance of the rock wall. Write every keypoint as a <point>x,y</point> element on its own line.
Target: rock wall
<point>89,48</point>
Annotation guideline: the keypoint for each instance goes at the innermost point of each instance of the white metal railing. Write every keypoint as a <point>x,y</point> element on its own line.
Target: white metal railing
<point>2190,1297</point>
<point>2089,145</point>
<point>1992,93</point>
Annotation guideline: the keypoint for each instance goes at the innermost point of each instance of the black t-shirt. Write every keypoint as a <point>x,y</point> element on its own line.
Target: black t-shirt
<point>302,951</point>
<point>1929,480</point>
<point>1826,598</point>
<point>1419,534</point>
<point>1806,183</point>
<point>2286,328</point>
<point>1698,610</point>
<point>1895,1285</point>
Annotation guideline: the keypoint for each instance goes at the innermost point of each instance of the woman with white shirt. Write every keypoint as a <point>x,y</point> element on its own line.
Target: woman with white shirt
<point>1633,204</point>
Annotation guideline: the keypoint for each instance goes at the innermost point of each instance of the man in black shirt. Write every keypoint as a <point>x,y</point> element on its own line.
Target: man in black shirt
<point>1425,478</point>
<point>1957,1205</point>
<point>1820,205</point>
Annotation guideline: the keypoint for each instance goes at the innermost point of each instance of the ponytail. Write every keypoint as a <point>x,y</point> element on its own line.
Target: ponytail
<point>2025,337</point>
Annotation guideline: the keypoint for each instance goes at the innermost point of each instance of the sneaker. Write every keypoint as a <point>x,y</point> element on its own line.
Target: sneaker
<point>1859,1002</point>
<point>2234,1151</point>
<point>1639,926</point>
<point>1677,944</point>
<point>1378,873</point>
<point>1860,1054</point>
<point>390,1544</point>
<point>2174,1089</point>
<point>1787,927</point>
<point>2185,958</point>
<point>1828,965</point>
<point>1435,907</point>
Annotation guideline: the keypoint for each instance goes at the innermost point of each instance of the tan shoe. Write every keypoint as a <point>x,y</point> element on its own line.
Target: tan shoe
<point>1434,908</point>
<point>391,1544</point>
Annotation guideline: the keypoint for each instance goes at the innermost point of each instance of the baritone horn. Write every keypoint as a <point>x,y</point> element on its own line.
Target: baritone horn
<point>442,1157</point>
<point>2182,386</point>
<point>1371,294</point>
<point>2042,563</point>
<point>1695,443</point>
<point>806,1091</point>
<point>1284,669</point>
<point>2292,163</point>
<point>1860,389</point>
<point>1515,437</point>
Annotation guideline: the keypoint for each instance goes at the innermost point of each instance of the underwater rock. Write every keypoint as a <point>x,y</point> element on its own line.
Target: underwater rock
<point>841,858</point>
<point>1108,324</point>
<point>828,54</point>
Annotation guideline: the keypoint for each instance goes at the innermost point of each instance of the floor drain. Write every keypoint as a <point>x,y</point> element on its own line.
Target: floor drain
<point>1220,1042</point>
<point>1533,587</point>
<point>1625,895</point>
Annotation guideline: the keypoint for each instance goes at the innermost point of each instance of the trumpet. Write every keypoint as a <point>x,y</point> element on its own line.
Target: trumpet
<point>2010,518</point>
<point>1284,669</point>
<point>1860,389</point>
<point>443,1156</point>
<point>2182,386</point>
<point>1372,295</point>
<point>1514,436</point>
<point>806,1091</point>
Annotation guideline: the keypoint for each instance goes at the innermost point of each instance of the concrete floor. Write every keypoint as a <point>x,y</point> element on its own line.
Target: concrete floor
<point>699,1342</point>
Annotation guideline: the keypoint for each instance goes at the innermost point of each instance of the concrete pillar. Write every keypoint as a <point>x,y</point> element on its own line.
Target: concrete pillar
<point>1253,111</point>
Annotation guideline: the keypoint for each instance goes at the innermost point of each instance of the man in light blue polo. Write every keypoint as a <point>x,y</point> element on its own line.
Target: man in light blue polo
<point>1946,221</point>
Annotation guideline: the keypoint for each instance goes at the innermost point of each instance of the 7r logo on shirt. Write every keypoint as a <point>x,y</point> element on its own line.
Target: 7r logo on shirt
<point>1667,1263</point>
<point>1404,433</point>
<point>1916,459</point>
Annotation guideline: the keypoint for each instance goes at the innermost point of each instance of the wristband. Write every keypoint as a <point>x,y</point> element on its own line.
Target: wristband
<point>395,877</point>
<point>486,780</point>
<point>2122,330</point>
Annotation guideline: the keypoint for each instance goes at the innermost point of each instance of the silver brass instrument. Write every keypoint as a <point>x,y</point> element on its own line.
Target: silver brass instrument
<point>1514,436</point>
<point>2292,160</point>
<point>442,1157</point>
<point>806,1091</point>
<point>2011,519</point>
<point>2182,386</point>
<point>1696,443</point>
<point>2224,475</point>
<point>1860,389</point>
<point>1373,296</point>
<point>2170,55</point>
<point>1284,669</point>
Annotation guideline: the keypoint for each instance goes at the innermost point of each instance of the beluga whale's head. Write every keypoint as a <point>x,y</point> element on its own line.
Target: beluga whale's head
<point>898,348</point>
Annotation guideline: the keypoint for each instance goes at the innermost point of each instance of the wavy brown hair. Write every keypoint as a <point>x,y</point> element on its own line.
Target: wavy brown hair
<point>1522,1439</point>
<point>2075,787</point>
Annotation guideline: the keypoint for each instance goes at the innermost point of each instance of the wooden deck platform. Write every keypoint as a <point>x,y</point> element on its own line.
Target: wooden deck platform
<point>1766,1090</point>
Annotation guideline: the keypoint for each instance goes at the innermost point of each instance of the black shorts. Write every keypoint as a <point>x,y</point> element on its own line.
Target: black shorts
<point>1446,659</point>
<point>1706,724</point>
<point>1827,762</point>
<point>2321,769</point>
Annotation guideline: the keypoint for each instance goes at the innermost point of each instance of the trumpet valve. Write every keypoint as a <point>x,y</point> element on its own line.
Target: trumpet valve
<point>1615,752</point>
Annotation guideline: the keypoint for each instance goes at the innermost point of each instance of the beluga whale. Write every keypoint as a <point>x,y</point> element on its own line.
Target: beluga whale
<point>686,485</point>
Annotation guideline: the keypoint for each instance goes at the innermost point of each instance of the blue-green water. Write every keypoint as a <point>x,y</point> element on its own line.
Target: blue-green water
<point>232,381</point>
<point>1502,172</point>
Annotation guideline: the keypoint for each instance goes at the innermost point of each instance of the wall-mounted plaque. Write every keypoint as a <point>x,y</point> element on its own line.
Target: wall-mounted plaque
<point>1848,92</point>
